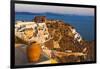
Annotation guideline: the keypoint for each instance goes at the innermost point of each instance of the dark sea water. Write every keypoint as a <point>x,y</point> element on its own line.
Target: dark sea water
<point>83,24</point>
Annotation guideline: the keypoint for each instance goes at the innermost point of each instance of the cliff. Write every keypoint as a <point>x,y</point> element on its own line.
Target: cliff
<point>62,34</point>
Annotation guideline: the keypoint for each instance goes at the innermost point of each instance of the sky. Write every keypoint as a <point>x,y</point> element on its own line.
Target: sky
<point>54,9</point>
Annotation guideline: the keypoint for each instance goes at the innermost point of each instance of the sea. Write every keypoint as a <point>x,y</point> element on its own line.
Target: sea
<point>84,24</point>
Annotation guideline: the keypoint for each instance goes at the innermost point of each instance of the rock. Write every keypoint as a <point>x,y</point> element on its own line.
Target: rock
<point>49,44</point>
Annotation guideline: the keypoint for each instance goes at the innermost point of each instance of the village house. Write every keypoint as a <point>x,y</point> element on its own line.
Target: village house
<point>76,35</point>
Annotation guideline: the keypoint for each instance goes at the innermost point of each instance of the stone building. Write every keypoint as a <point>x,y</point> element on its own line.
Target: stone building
<point>40,19</point>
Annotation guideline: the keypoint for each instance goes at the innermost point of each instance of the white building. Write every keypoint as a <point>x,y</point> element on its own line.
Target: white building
<point>76,35</point>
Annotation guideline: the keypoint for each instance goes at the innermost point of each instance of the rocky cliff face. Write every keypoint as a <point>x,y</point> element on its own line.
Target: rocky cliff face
<point>63,41</point>
<point>62,34</point>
